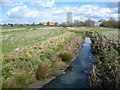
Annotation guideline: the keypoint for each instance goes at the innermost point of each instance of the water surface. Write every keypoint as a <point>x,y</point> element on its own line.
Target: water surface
<point>77,74</point>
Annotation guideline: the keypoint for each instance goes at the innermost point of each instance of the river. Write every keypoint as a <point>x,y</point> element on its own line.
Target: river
<point>77,75</point>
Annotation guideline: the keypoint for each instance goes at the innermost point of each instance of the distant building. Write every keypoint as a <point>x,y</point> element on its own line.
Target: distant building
<point>97,23</point>
<point>44,24</point>
<point>33,24</point>
<point>50,24</point>
<point>56,24</point>
<point>69,17</point>
<point>76,21</point>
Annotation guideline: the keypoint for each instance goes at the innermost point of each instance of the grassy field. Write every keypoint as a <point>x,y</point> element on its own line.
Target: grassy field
<point>18,39</point>
<point>39,53</point>
<point>16,27</point>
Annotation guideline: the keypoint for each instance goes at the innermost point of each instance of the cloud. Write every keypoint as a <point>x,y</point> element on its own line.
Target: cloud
<point>23,12</point>
<point>28,14</point>
<point>87,0</point>
<point>45,4</point>
<point>70,0</point>
<point>91,11</point>
<point>80,18</point>
<point>4,3</point>
<point>57,11</point>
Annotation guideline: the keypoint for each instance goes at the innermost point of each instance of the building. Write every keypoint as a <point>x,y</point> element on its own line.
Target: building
<point>56,24</point>
<point>50,24</point>
<point>69,17</point>
<point>44,23</point>
<point>97,23</point>
<point>76,21</point>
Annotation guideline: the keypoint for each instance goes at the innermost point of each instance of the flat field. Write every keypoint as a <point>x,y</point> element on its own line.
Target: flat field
<point>12,40</point>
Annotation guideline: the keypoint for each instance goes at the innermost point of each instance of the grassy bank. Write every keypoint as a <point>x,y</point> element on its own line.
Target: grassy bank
<point>105,45</point>
<point>106,72</point>
<point>24,66</point>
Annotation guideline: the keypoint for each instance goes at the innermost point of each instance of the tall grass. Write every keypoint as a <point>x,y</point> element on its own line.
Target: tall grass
<point>39,61</point>
<point>105,72</point>
<point>43,70</point>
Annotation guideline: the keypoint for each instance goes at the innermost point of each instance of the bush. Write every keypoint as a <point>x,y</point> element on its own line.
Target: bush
<point>6,70</point>
<point>43,70</point>
<point>21,79</point>
<point>56,65</point>
<point>65,56</point>
<point>18,81</point>
<point>9,83</point>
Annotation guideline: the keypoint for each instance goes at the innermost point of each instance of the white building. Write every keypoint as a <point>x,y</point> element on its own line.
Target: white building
<point>69,18</point>
<point>97,23</point>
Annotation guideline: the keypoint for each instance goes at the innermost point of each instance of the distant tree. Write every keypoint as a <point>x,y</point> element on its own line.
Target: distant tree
<point>111,24</point>
<point>63,24</point>
<point>33,24</point>
<point>89,23</point>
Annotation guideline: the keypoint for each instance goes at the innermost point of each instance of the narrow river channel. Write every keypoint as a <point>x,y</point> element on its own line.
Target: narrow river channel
<point>77,75</point>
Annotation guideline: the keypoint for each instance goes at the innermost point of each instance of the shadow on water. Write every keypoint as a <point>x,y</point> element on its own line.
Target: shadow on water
<point>77,75</point>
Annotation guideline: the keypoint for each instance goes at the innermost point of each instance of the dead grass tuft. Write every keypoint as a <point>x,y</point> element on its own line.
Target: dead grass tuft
<point>43,70</point>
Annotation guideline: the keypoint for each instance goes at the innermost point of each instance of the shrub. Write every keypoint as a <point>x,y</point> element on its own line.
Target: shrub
<point>56,65</point>
<point>9,83</point>
<point>21,79</point>
<point>6,70</point>
<point>65,56</point>
<point>43,70</point>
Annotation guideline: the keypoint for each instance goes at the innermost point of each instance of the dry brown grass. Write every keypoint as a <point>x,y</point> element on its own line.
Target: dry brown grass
<point>19,80</point>
<point>43,70</point>
<point>56,66</point>
<point>74,45</point>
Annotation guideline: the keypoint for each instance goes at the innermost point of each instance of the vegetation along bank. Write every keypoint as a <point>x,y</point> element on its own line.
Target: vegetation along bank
<point>105,45</point>
<point>25,66</point>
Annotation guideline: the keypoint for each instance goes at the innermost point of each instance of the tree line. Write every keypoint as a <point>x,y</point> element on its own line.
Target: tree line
<point>90,23</point>
<point>110,24</point>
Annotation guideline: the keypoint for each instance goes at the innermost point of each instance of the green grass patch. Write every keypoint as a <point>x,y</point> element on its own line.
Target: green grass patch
<point>16,39</point>
<point>17,27</point>
<point>65,56</point>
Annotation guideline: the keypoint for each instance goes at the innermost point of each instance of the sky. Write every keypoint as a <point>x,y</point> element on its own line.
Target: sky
<point>29,11</point>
